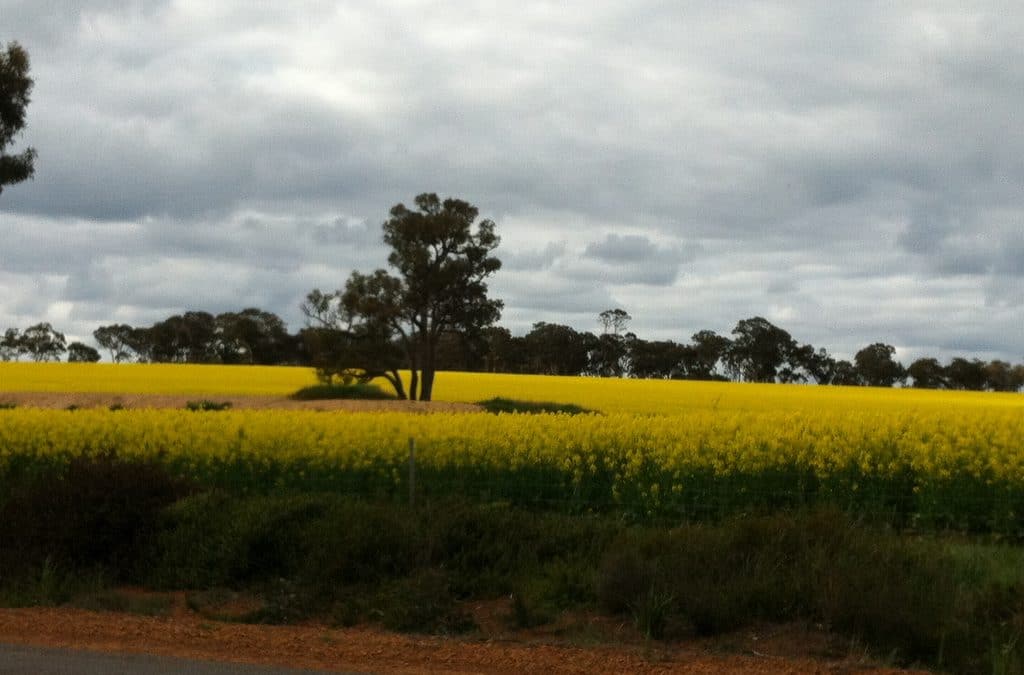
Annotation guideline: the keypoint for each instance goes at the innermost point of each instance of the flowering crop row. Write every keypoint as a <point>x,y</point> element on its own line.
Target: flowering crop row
<point>955,467</point>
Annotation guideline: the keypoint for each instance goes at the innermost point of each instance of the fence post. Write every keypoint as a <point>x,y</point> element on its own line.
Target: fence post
<point>412,471</point>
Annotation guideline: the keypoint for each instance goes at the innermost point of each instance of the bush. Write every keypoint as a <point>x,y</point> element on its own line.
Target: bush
<point>214,539</point>
<point>508,405</point>
<point>353,560</point>
<point>358,390</point>
<point>97,511</point>
<point>489,547</point>
<point>422,602</point>
<point>822,567</point>
<point>199,406</point>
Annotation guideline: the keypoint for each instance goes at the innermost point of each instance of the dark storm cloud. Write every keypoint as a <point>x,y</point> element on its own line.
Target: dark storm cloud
<point>849,170</point>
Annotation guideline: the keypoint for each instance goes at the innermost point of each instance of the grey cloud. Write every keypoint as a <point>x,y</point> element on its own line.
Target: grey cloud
<point>629,259</point>
<point>551,296</point>
<point>533,260</point>
<point>629,248</point>
<point>838,167</point>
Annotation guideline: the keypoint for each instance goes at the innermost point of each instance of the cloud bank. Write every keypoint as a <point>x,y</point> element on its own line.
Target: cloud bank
<point>852,172</point>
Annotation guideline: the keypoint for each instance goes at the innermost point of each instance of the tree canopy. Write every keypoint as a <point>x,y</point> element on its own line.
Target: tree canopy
<point>439,287</point>
<point>15,87</point>
<point>878,367</point>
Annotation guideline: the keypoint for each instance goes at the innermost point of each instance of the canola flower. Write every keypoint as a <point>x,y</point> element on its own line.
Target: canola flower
<point>961,467</point>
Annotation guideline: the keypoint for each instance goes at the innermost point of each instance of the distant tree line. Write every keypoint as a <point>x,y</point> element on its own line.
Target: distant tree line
<point>251,336</point>
<point>755,351</point>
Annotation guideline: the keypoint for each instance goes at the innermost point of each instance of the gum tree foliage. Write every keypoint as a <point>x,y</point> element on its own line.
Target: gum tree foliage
<point>253,336</point>
<point>82,353</point>
<point>927,373</point>
<point>441,264</point>
<point>42,343</point>
<point>190,337</point>
<point>15,87</point>
<point>11,346</point>
<point>614,321</point>
<point>877,366</point>
<point>344,345</point>
<point>116,339</point>
<point>759,350</point>
<point>659,359</point>
<point>709,349</point>
<point>554,349</point>
<point>966,374</point>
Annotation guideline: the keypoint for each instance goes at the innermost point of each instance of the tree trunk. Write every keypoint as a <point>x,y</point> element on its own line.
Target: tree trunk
<point>429,368</point>
<point>428,384</point>
<point>414,369</point>
<point>396,382</point>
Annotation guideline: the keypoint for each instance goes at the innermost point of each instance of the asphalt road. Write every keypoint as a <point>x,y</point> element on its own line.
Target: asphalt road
<point>20,660</point>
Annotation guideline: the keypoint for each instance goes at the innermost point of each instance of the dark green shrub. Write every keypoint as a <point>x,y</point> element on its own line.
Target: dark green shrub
<point>215,539</point>
<point>508,405</point>
<point>543,592</point>
<point>205,405</point>
<point>896,595</point>
<point>489,546</point>
<point>422,603</point>
<point>360,543</point>
<point>358,390</point>
<point>97,511</point>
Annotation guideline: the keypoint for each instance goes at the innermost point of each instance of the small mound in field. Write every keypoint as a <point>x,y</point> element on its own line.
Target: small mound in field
<point>508,405</point>
<point>360,391</point>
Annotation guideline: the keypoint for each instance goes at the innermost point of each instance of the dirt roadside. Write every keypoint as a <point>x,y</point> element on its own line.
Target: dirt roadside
<point>785,649</point>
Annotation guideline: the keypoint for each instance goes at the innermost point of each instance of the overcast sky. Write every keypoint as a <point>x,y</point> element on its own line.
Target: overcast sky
<point>851,171</point>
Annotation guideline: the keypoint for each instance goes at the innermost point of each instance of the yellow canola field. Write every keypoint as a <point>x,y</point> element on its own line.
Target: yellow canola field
<point>644,462</point>
<point>604,395</point>
<point>987,445</point>
<point>953,458</point>
<point>153,378</point>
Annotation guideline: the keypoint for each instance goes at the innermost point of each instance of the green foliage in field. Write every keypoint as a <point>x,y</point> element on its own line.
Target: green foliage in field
<point>508,405</point>
<point>358,391</point>
<point>206,405</point>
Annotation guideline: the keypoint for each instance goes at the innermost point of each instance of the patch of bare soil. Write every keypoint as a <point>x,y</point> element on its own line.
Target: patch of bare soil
<point>576,645</point>
<point>128,401</point>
